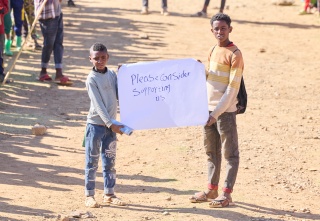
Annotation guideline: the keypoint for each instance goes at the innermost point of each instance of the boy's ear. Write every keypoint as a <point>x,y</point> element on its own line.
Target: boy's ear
<point>230,29</point>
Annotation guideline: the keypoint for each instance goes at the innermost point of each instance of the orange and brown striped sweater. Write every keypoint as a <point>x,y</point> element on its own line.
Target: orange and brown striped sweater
<point>224,78</point>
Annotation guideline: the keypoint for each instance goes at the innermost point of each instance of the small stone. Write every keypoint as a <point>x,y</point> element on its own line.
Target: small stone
<point>312,169</point>
<point>165,213</point>
<point>38,129</point>
<point>262,50</point>
<point>168,198</point>
<point>143,36</point>
<point>87,215</point>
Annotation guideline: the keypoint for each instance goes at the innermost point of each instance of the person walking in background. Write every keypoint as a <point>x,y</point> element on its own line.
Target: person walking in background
<point>145,7</point>
<point>28,6</point>
<point>100,137</point>
<point>4,8</point>
<point>51,23</point>
<point>16,7</point>
<point>7,29</point>
<point>308,7</point>
<point>220,133</point>
<point>203,12</point>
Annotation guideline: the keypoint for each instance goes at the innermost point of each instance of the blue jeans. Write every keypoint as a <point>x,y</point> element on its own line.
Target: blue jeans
<point>222,136</point>
<point>100,140</point>
<point>145,3</point>
<point>52,31</point>
<point>17,6</point>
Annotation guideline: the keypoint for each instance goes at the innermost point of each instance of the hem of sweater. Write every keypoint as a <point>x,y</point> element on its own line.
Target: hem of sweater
<point>216,114</point>
<point>101,123</point>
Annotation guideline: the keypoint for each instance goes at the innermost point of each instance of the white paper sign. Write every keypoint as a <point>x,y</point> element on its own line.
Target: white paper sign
<point>163,94</point>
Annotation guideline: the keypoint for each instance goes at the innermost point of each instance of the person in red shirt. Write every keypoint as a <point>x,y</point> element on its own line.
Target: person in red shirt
<point>3,10</point>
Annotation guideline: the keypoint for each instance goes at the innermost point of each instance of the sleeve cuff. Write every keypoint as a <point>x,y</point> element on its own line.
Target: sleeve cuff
<point>108,124</point>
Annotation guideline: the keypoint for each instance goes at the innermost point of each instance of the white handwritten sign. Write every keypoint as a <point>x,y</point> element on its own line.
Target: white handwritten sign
<point>163,94</point>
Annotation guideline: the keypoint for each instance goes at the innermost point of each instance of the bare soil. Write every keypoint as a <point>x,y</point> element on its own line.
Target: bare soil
<point>42,177</point>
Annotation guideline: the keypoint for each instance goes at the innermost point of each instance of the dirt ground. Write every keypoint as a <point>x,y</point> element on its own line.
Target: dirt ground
<point>42,177</point>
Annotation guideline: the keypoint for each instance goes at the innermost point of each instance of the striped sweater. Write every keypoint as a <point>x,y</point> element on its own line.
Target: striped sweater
<point>224,78</point>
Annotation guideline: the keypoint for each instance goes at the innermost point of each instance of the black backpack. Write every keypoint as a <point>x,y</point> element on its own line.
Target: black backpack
<point>242,94</point>
<point>242,98</point>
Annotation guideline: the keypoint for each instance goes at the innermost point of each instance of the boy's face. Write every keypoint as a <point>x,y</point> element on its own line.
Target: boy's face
<point>221,31</point>
<point>99,59</point>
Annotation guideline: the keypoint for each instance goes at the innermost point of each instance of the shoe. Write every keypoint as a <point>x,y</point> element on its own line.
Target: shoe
<point>65,81</point>
<point>18,43</point>
<point>37,46</point>
<point>35,36</point>
<point>7,50</point>
<point>144,11</point>
<point>45,78</point>
<point>91,202</point>
<point>200,14</point>
<point>201,197</point>
<point>221,201</point>
<point>113,200</point>
<point>164,12</point>
<point>303,12</point>
<point>71,4</point>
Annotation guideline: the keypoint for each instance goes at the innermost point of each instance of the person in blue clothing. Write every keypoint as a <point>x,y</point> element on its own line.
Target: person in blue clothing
<point>16,7</point>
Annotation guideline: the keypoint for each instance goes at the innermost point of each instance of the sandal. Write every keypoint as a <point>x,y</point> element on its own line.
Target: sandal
<point>44,78</point>
<point>63,81</point>
<point>220,202</point>
<point>201,197</point>
<point>91,202</point>
<point>113,200</point>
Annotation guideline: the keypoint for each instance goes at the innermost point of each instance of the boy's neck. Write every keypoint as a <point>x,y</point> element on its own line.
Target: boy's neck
<point>225,43</point>
<point>100,71</point>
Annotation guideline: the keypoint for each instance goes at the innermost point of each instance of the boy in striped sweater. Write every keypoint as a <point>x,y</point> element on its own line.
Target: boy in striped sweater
<point>220,133</point>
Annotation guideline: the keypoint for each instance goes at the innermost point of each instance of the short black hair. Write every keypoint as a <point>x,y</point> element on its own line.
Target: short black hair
<point>99,47</point>
<point>221,17</point>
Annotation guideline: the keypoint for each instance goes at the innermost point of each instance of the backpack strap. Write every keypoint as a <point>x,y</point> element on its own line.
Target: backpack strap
<point>230,57</point>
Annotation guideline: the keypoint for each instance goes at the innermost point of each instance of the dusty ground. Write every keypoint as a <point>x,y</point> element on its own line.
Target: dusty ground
<point>42,176</point>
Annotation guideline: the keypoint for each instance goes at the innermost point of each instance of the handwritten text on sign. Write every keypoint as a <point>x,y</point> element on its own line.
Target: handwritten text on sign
<point>163,94</point>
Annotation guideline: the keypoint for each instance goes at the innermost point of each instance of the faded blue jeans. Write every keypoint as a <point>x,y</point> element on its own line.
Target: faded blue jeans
<point>52,31</point>
<point>145,3</point>
<point>100,141</point>
<point>222,136</point>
